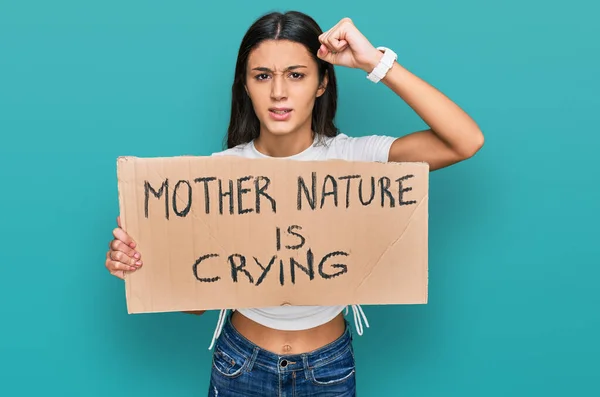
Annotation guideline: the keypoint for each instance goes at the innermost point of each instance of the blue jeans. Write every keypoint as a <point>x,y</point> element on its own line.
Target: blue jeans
<point>241,368</point>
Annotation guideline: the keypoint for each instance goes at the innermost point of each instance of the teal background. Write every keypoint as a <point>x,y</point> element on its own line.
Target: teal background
<point>514,241</point>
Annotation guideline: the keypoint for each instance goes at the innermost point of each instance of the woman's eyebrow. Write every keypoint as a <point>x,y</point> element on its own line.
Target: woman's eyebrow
<point>265,69</point>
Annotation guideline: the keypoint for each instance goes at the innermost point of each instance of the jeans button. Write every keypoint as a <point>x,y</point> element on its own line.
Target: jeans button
<point>284,363</point>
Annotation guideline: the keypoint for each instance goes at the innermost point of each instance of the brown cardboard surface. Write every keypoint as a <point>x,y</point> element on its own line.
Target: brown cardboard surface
<point>230,232</point>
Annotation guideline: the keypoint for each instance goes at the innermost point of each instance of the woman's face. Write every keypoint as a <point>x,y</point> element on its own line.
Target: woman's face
<point>282,81</point>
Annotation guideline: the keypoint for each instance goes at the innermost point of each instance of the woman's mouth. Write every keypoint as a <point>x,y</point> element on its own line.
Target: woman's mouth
<point>280,114</point>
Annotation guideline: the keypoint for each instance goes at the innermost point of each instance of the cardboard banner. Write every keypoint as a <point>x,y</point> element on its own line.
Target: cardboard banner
<point>229,232</point>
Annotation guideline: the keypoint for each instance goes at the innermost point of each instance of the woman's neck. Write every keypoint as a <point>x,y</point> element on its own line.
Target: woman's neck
<point>283,145</point>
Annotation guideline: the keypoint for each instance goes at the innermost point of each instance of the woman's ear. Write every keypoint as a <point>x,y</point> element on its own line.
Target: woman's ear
<point>323,86</point>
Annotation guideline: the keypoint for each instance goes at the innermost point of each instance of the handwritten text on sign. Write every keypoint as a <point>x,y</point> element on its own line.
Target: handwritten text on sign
<point>253,194</point>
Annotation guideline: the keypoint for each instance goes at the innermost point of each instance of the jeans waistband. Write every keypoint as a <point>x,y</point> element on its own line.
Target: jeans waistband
<point>285,362</point>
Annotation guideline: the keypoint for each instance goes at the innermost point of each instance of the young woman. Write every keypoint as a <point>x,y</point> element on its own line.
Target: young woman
<point>284,100</point>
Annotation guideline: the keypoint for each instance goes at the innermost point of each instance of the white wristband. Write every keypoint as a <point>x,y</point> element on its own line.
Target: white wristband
<point>384,65</point>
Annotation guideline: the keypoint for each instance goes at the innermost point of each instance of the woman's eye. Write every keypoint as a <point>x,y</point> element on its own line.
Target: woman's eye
<point>262,76</point>
<point>296,75</point>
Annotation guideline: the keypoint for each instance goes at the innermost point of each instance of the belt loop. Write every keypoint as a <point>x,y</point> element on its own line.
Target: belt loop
<point>305,365</point>
<point>252,359</point>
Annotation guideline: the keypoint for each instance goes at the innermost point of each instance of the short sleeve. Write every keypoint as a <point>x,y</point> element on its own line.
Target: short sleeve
<point>366,148</point>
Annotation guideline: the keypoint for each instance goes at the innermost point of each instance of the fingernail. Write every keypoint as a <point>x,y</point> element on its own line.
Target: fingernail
<point>139,263</point>
<point>137,255</point>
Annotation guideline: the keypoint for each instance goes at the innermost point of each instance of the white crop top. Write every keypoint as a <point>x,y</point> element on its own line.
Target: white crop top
<point>366,148</point>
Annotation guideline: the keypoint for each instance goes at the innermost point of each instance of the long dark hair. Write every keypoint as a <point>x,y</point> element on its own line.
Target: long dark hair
<point>294,26</point>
